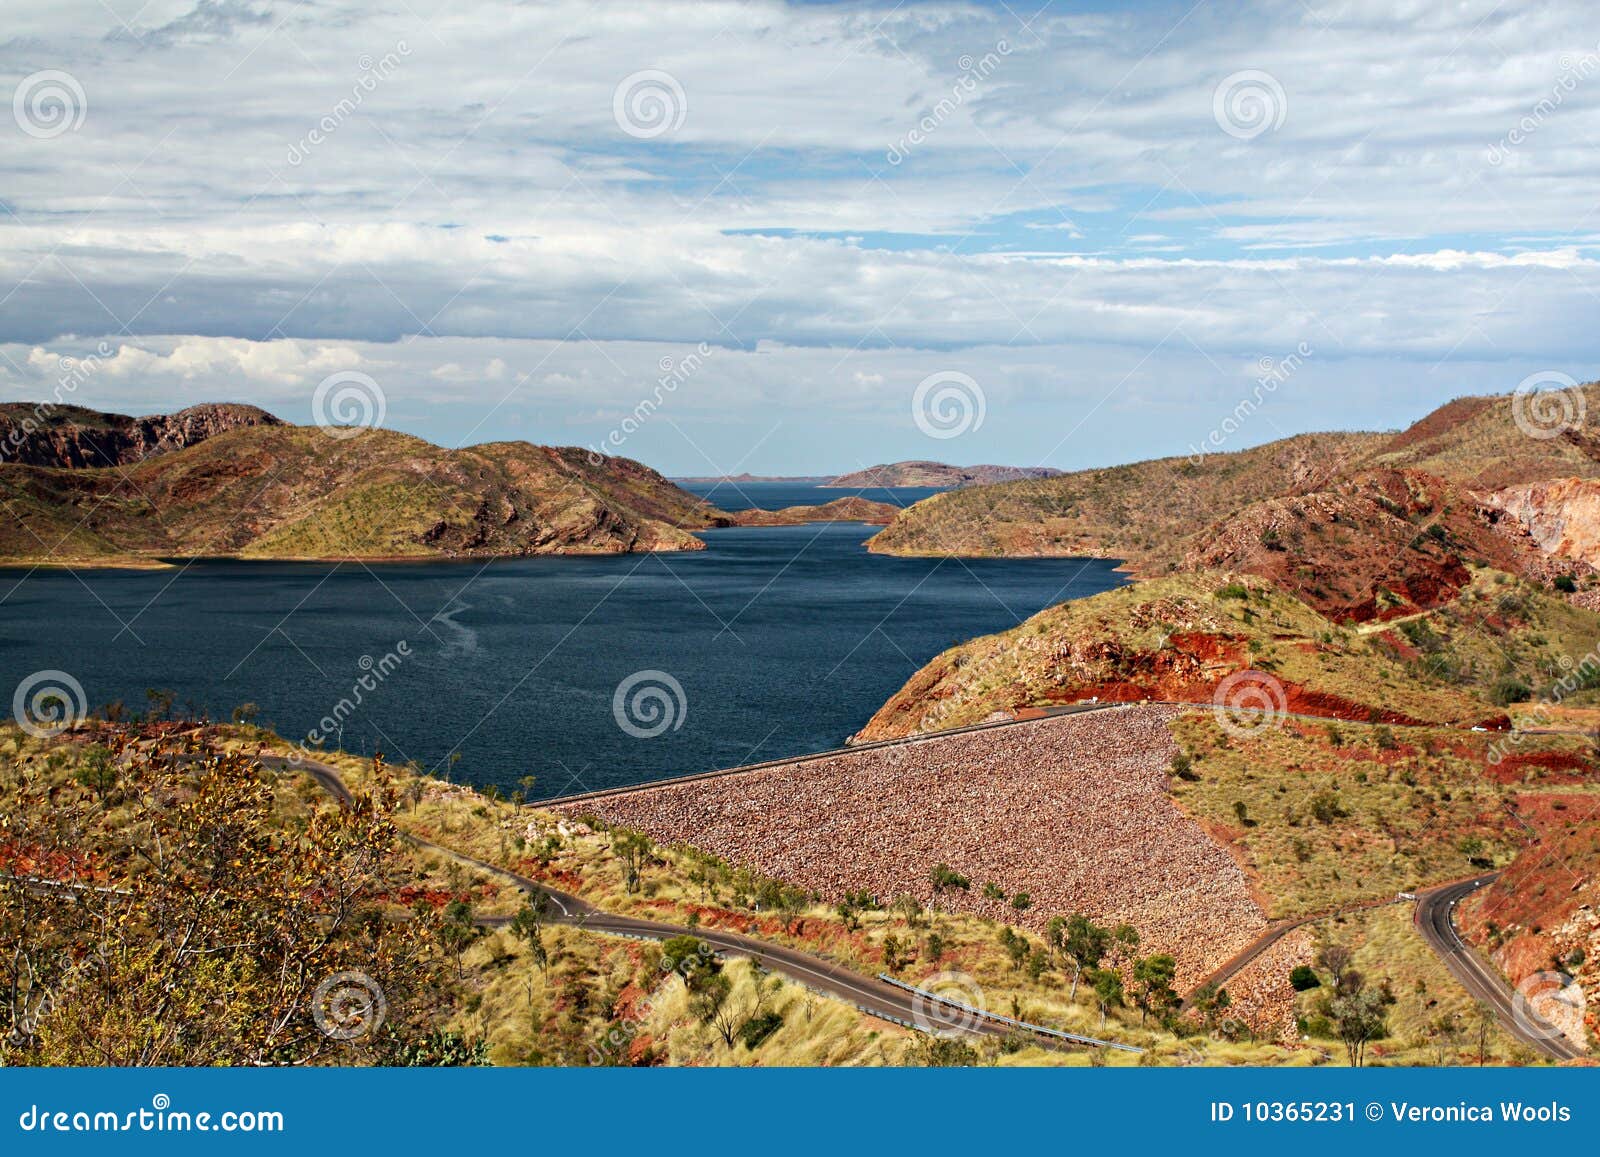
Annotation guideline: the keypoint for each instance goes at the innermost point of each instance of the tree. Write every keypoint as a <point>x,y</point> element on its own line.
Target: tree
<point>1108,992</point>
<point>160,702</point>
<point>1210,1001</point>
<point>1015,945</point>
<point>528,926</point>
<point>1360,1017</point>
<point>634,849</point>
<point>1484,1017</point>
<point>1124,941</point>
<point>893,954</point>
<point>97,771</point>
<point>710,1003</point>
<point>205,918</point>
<point>1153,989</point>
<point>691,958</point>
<point>945,878</point>
<point>458,930</point>
<point>1334,959</point>
<point>1085,943</point>
<point>246,713</point>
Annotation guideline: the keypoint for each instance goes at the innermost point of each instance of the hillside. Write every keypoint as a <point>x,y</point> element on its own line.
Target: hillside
<point>1179,638</point>
<point>852,509</point>
<point>1141,512</point>
<point>919,473</point>
<point>1380,546</point>
<point>1153,513</point>
<point>71,437</point>
<point>279,491</point>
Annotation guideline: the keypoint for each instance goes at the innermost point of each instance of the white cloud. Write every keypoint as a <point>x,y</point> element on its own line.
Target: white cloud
<point>487,201</point>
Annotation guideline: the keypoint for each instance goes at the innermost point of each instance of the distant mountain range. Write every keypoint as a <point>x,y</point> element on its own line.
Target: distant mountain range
<point>918,473</point>
<point>910,473</point>
<point>709,479</point>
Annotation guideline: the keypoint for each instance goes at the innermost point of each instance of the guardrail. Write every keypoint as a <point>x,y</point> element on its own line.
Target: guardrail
<point>1010,1022</point>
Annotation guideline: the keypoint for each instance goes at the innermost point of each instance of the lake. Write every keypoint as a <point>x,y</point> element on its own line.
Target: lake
<point>775,641</point>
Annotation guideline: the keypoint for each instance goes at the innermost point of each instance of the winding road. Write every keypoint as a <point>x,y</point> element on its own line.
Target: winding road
<point>867,994</point>
<point>1435,919</point>
<point>1435,908</point>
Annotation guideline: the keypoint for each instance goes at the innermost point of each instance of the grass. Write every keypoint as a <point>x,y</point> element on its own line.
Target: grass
<point>1333,818</point>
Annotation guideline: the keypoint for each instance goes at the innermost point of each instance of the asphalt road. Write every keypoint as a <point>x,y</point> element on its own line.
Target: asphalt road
<point>1435,919</point>
<point>867,994</point>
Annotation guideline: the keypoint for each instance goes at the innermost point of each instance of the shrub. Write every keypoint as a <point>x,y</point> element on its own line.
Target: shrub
<point>1564,584</point>
<point>759,1028</point>
<point>1233,591</point>
<point>1303,978</point>
<point>1509,690</point>
<point>1183,766</point>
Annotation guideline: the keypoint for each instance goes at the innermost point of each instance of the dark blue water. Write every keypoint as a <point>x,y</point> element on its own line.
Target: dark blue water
<point>784,640</point>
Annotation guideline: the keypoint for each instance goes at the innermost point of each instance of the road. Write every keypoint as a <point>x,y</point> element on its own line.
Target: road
<point>867,994</point>
<point>1435,918</point>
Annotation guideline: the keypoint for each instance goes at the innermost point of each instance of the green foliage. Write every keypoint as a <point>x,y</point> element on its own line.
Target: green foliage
<point>946,878</point>
<point>1510,689</point>
<point>1303,978</point>
<point>758,1028</point>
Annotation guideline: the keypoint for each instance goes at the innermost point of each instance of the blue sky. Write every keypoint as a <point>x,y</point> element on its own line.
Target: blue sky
<point>1102,222</point>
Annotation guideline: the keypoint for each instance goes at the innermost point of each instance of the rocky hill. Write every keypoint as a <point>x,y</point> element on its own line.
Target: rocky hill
<point>270,490</point>
<point>71,437</point>
<point>1183,638</point>
<point>852,509</point>
<point>1380,546</point>
<point>1142,512</point>
<point>936,474</point>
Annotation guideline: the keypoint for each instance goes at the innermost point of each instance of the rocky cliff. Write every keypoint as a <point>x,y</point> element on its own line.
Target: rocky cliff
<point>71,437</point>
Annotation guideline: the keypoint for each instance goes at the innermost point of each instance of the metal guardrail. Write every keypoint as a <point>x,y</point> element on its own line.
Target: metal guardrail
<point>1011,1022</point>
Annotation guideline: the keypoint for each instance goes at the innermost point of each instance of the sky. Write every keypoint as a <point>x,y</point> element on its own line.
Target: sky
<point>800,238</point>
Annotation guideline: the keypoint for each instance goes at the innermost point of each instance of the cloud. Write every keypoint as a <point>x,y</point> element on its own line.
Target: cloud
<point>482,223</point>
